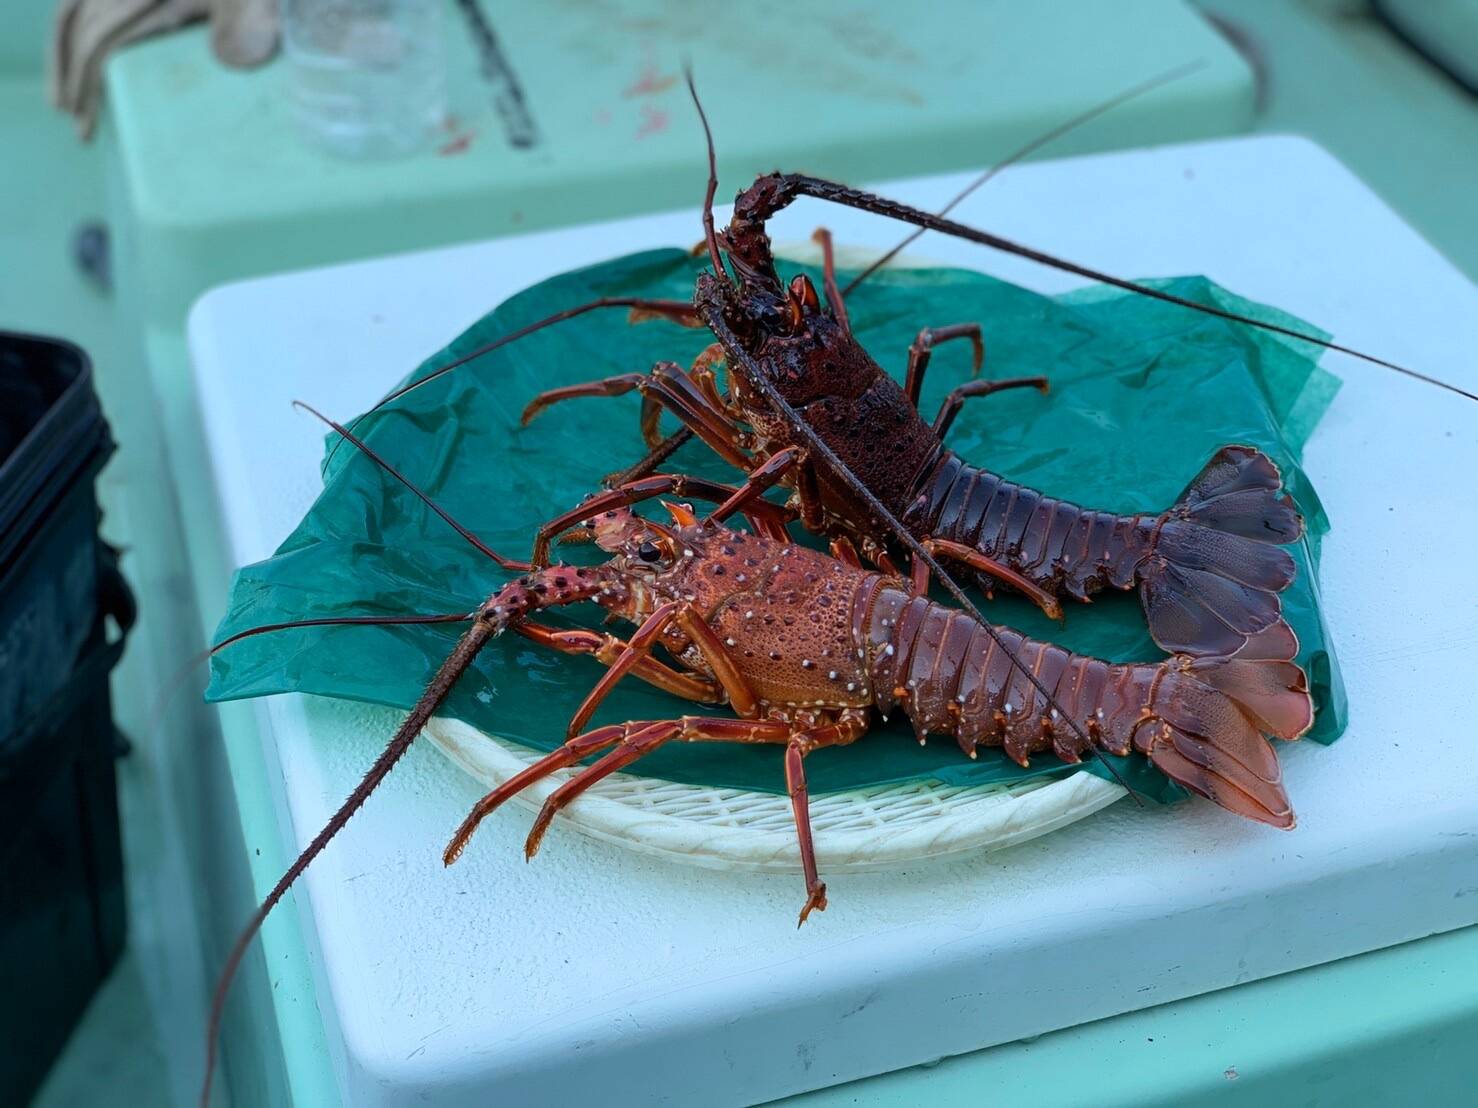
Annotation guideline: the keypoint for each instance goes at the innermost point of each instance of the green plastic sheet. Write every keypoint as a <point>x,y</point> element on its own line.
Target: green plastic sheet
<point>1142,394</point>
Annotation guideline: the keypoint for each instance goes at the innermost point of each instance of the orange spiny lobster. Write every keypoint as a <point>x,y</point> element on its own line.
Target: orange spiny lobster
<point>804,648</point>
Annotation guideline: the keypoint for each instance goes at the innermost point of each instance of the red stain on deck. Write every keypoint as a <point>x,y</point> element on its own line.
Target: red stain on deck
<point>653,121</point>
<point>650,82</point>
<point>457,145</point>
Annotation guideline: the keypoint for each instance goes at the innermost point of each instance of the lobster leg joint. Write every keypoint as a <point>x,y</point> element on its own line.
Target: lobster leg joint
<point>922,350</point>
<point>850,725</point>
<point>957,397</point>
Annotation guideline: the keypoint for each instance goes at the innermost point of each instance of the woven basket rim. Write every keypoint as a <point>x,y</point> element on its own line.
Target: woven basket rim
<point>879,827</point>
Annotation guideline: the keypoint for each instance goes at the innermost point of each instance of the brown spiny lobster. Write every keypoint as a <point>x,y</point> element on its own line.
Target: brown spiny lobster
<point>865,465</point>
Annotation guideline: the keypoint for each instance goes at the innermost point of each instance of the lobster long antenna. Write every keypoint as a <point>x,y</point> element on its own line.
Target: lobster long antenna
<point>714,317</point>
<point>436,692</point>
<point>792,185</point>
<point>332,621</point>
<point>709,234</point>
<point>1028,150</point>
<point>179,676</point>
<point>462,656</point>
<point>365,449</point>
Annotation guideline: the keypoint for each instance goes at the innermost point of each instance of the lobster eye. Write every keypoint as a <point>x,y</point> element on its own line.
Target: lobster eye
<point>649,552</point>
<point>802,292</point>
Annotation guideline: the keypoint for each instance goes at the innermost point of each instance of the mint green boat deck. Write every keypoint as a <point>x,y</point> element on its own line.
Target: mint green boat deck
<point>201,181</point>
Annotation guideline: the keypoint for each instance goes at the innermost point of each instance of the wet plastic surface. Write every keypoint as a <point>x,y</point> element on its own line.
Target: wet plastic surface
<point>1142,395</point>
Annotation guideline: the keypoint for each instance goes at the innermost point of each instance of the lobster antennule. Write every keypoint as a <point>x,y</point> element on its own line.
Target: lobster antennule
<point>365,449</point>
<point>709,234</point>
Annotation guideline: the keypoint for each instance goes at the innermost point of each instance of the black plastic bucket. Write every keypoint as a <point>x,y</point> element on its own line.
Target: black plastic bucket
<point>61,866</point>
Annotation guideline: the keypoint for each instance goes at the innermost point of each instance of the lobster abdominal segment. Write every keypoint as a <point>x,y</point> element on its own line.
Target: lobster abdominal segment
<point>951,680</point>
<point>1201,721</point>
<point>1053,543</point>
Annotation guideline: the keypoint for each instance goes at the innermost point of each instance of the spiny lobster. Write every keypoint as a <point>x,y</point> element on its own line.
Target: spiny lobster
<point>804,648</point>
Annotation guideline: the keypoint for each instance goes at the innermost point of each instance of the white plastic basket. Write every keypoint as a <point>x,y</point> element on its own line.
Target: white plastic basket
<point>875,828</point>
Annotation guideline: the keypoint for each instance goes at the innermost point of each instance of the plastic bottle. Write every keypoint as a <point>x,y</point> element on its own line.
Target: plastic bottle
<point>368,77</point>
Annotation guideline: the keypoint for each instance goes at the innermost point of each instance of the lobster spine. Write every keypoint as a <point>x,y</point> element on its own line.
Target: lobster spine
<point>1054,543</point>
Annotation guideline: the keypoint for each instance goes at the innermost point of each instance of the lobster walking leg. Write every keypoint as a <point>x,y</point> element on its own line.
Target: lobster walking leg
<point>957,397</point>
<point>687,729</point>
<point>740,696</point>
<point>844,551</point>
<point>923,349</point>
<point>849,727</point>
<point>958,552</point>
<point>765,477</point>
<point>704,377</point>
<point>570,752</point>
<point>706,381</point>
<point>607,649</point>
<point>639,647</point>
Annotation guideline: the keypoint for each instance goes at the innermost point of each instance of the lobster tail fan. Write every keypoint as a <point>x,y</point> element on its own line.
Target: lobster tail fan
<point>1264,682</point>
<point>1233,766</point>
<point>1208,727</point>
<point>1213,576</point>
